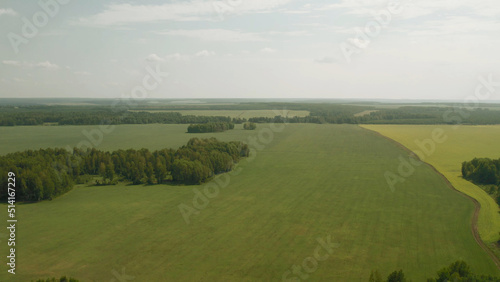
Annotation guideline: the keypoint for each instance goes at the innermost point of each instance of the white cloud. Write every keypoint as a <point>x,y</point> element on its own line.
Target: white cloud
<point>85,73</point>
<point>154,58</point>
<point>196,10</point>
<point>7,12</point>
<point>415,9</point>
<point>267,50</point>
<point>177,57</point>
<point>215,35</point>
<point>204,53</point>
<point>12,63</point>
<point>47,65</point>
<point>44,65</point>
<point>325,60</point>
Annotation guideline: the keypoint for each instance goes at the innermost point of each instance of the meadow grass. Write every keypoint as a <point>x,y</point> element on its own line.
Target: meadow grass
<point>311,181</point>
<point>463,144</point>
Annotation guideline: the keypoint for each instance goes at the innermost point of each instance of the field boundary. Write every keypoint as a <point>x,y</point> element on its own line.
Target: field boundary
<point>477,205</point>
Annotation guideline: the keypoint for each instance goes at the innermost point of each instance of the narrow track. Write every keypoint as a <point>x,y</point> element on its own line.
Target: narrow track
<point>477,205</point>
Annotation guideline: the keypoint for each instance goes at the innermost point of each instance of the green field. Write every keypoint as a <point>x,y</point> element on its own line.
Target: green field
<point>151,136</point>
<point>463,144</point>
<point>235,113</point>
<point>311,181</point>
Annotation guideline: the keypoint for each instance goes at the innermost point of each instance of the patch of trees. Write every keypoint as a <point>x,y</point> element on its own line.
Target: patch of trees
<point>457,271</point>
<point>484,172</point>
<point>47,173</point>
<point>210,127</point>
<point>249,126</point>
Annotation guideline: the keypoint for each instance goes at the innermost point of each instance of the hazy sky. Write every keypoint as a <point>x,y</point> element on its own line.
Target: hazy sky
<point>249,48</point>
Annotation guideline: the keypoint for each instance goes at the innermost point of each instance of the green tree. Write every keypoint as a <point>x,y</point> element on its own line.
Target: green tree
<point>396,276</point>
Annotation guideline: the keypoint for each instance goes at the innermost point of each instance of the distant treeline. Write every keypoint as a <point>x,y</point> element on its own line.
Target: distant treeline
<point>93,116</point>
<point>210,127</point>
<point>484,172</point>
<point>47,173</point>
<point>403,115</point>
<point>319,113</point>
<point>62,279</point>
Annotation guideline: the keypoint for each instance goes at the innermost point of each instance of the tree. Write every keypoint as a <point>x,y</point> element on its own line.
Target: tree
<point>160,169</point>
<point>249,126</point>
<point>109,172</point>
<point>396,276</point>
<point>102,170</point>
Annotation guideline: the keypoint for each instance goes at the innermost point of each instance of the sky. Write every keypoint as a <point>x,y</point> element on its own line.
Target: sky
<point>366,49</point>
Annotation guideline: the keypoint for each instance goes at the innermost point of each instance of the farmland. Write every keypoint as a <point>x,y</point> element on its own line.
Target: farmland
<point>463,143</point>
<point>310,181</point>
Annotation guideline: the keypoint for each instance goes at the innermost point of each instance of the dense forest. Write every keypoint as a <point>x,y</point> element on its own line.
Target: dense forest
<point>484,172</point>
<point>92,116</point>
<point>210,127</point>
<point>458,271</point>
<point>319,113</point>
<point>46,173</point>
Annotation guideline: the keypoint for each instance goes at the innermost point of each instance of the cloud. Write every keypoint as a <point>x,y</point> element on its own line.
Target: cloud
<point>85,73</point>
<point>44,65</point>
<point>215,35</point>
<point>154,58</point>
<point>267,50</point>
<point>178,56</point>
<point>196,10</point>
<point>204,53</point>
<point>413,9</point>
<point>47,65</point>
<point>12,63</point>
<point>7,12</point>
<point>325,60</point>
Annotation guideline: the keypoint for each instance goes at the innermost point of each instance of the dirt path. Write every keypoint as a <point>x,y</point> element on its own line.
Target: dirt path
<point>477,205</point>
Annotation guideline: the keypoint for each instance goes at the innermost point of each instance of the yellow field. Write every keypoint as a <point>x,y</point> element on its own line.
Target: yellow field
<point>236,113</point>
<point>462,143</point>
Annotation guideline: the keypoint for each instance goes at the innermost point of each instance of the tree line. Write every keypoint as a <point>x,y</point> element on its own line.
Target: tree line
<point>457,271</point>
<point>318,113</point>
<point>47,173</point>
<point>98,115</point>
<point>210,127</point>
<point>484,172</point>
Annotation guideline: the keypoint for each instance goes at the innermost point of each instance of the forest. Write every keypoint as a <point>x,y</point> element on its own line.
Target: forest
<point>210,127</point>
<point>47,173</point>
<point>319,113</point>
<point>58,115</point>
<point>484,172</point>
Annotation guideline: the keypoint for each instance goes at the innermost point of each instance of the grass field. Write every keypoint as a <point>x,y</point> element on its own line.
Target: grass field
<point>311,181</point>
<point>151,136</point>
<point>463,144</point>
<point>237,113</point>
